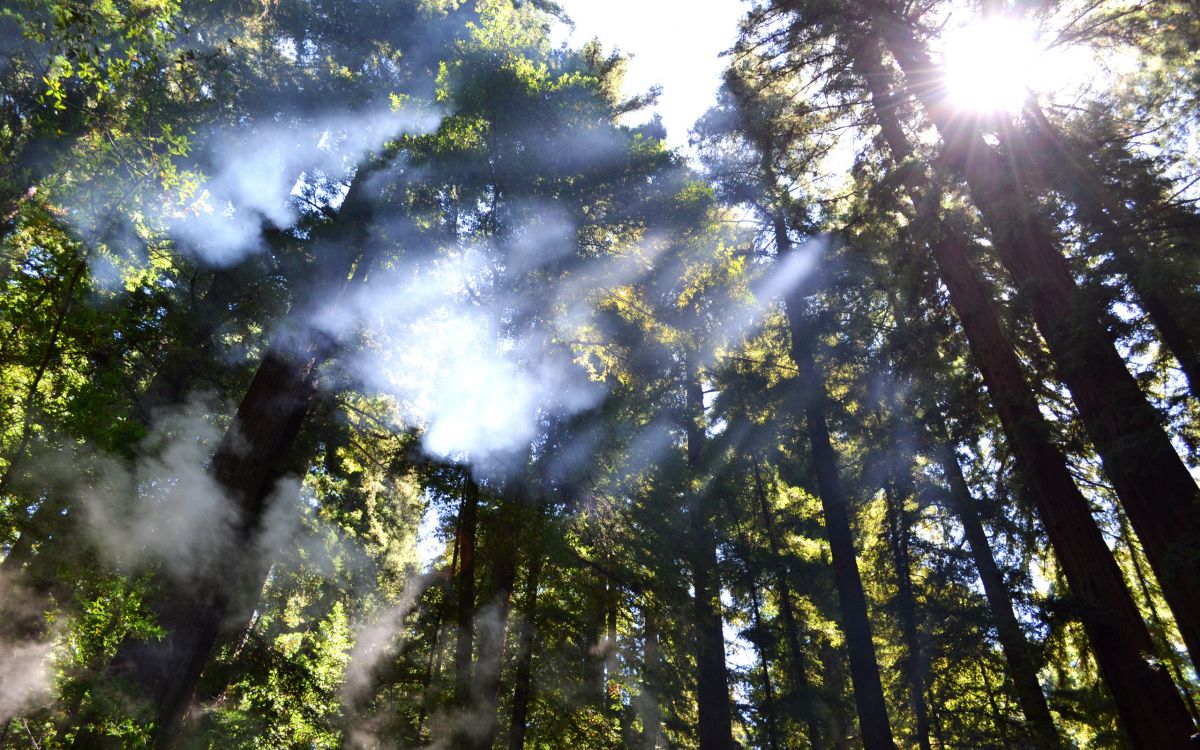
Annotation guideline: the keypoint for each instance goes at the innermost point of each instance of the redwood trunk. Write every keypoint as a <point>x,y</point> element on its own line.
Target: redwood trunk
<point>247,464</point>
<point>493,637</point>
<point>874,726</point>
<point>1148,702</point>
<point>1154,486</point>
<point>875,729</point>
<point>767,706</point>
<point>715,726</point>
<point>906,604</point>
<point>464,612</point>
<point>1097,207</point>
<point>1017,653</point>
<point>523,684</point>
<point>650,710</point>
<point>250,459</point>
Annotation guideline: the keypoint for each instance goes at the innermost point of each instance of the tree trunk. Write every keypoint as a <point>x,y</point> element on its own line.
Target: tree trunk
<point>650,710</point>
<point>1149,704</point>
<point>1017,653</point>
<point>715,727</point>
<point>864,666</point>
<point>999,718</point>
<point>433,661</point>
<point>768,702</point>
<point>900,528</point>
<point>841,725</point>
<point>193,615</point>
<point>1170,656</point>
<point>523,684</point>
<point>1096,206</point>
<point>1153,484</point>
<point>464,612</point>
<point>249,460</point>
<point>611,604</point>
<point>493,633</point>
<point>1016,649</point>
<point>767,707</point>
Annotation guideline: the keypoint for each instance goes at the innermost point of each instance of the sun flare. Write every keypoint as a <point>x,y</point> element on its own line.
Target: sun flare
<point>993,64</point>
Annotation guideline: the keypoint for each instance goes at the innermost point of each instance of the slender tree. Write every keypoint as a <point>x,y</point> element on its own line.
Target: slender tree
<point>864,666</point>
<point>712,681</point>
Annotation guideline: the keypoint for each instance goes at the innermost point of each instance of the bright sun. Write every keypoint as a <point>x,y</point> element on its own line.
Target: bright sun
<point>991,65</point>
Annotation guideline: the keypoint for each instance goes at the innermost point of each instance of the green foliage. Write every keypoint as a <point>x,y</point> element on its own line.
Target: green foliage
<point>579,239</point>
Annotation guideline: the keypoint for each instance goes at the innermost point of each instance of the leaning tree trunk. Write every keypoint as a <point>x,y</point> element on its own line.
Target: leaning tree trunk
<point>1172,658</point>
<point>250,459</point>
<point>194,614</point>
<point>1017,652</point>
<point>1147,700</point>
<point>1153,485</point>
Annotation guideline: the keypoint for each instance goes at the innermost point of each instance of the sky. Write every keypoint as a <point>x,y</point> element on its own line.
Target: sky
<point>676,44</point>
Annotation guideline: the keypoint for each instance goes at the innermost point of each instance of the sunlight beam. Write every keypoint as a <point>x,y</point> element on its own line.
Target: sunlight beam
<point>991,66</point>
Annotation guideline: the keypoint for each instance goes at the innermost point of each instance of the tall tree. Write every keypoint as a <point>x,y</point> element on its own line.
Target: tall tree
<point>864,666</point>
<point>1154,486</point>
<point>715,728</point>
<point>1119,635</point>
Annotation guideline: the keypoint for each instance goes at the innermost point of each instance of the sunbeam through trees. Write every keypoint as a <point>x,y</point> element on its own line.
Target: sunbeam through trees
<point>391,374</point>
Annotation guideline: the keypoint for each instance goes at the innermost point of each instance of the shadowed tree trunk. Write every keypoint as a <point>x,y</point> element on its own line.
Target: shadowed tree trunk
<point>1147,700</point>
<point>770,715</point>
<point>433,661</point>
<point>523,684</point>
<point>250,459</point>
<point>493,630</point>
<point>896,491</point>
<point>194,615</point>
<point>1153,484</point>
<point>611,603</point>
<point>841,725</point>
<point>873,721</point>
<point>1097,206</point>
<point>1017,653</point>
<point>762,644</point>
<point>1172,658</point>
<point>1022,668</point>
<point>650,710</point>
<point>464,611</point>
<point>715,728</point>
